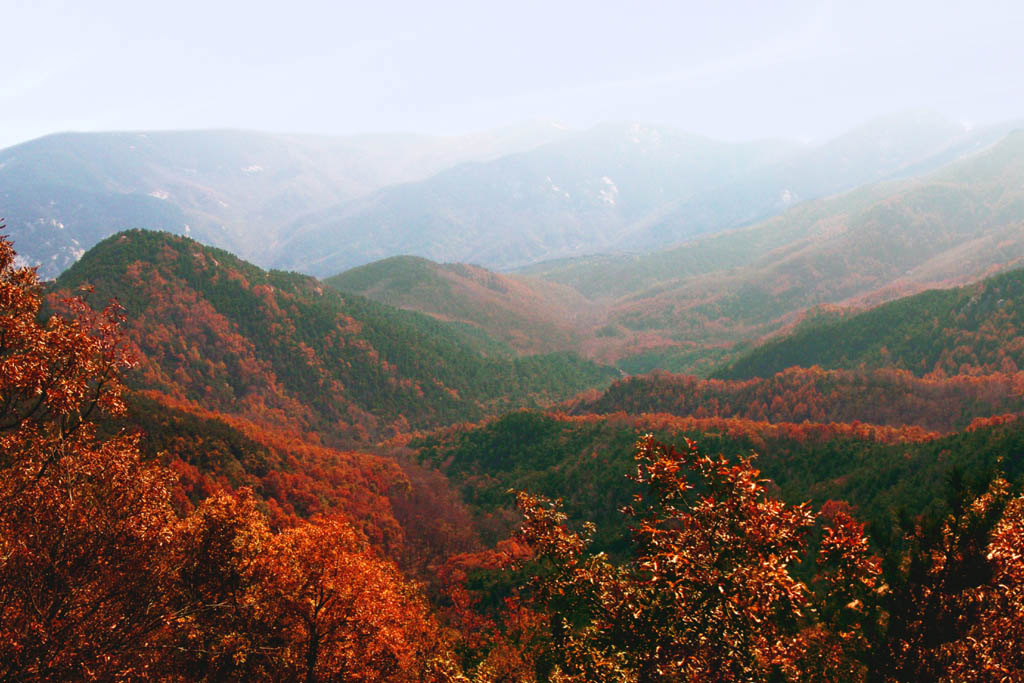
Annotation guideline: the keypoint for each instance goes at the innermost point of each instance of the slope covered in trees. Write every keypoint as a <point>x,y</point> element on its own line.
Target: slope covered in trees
<point>713,587</point>
<point>528,315</point>
<point>584,460</point>
<point>281,348</point>
<point>100,579</point>
<point>117,566</point>
<point>973,330</point>
<point>882,396</point>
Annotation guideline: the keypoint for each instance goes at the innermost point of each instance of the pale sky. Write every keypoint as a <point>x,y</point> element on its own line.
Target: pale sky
<point>730,70</point>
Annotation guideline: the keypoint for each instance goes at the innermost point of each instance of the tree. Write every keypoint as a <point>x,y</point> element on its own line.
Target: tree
<point>707,593</point>
<point>343,612</point>
<point>83,522</point>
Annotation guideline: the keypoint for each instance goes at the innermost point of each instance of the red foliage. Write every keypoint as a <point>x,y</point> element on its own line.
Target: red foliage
<point>884,397</point>
<point>100,580</point>
<point>707,594</point>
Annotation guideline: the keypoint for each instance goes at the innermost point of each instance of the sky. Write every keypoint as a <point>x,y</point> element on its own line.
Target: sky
<point>728,70</point>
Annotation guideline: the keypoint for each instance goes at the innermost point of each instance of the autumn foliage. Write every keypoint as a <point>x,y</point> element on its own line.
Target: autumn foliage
<point>712,589</point>
<point>885,396</point>
<point>101,580</point>
<point>218,548</point>
<point>707,594</point>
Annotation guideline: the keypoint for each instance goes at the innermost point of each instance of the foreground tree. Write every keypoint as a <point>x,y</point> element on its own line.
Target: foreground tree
<point>993,647</point>
<point>707,594</point>
<point>956,610</point>
<point>83,522</point>
<point>345,613</point>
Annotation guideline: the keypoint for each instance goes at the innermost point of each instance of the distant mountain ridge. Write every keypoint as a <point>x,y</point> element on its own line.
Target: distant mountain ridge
<point>63,193</point>
<point>876,243</point>
<point>614,187</point>
<point>569,197</point>
<point>500,199</point>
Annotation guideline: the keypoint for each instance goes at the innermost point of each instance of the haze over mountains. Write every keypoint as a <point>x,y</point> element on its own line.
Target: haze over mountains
<point>616,187</point>
<point>505,198</point>
<point>233,189</point>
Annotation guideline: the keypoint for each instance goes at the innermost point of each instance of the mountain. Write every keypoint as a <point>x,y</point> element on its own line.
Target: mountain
<point>501,198</point>
<point>871,244</point>
<point>281,348</point>
<point>527,314</point>
<point>968,330</point>
<point>909,143</point>
<point>63,193</point>
<point>571,196</point>
<point>623,187</point>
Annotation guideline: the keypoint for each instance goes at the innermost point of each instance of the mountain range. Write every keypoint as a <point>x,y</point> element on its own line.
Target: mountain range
<point>872,244</point>
<point>626,187</point>
<point>63,193</point>
<point>499,199</point>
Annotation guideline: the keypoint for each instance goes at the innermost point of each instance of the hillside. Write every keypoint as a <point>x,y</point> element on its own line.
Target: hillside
<point>63,193</point>
<point>585,460</point>
<point>882,396</point>
<point>240,369</point>
<point>294,479</point>
<point>967,330</point>
<point>527,314</point>
<point>873,243</point>
<point>282,348</point>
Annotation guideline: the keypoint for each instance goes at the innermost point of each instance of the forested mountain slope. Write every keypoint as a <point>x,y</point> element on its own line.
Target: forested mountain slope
<point>881,396</point>
<point>585,460</point>
<point>284,348</point>
<point>527,314</point>
<point>974,329</point>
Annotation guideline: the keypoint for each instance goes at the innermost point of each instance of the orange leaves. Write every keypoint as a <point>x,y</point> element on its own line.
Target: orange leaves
<point>81,552</point>
<point>882,397</point>
<point>83,522</point>
<point>100,580</point>
<point>707,591</point>
<point>348,614</point>
<point>312,602</point>
<point>52,375</point>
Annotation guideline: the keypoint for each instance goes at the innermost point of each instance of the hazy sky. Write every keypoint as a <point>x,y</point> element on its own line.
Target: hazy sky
<point>732,70</point>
